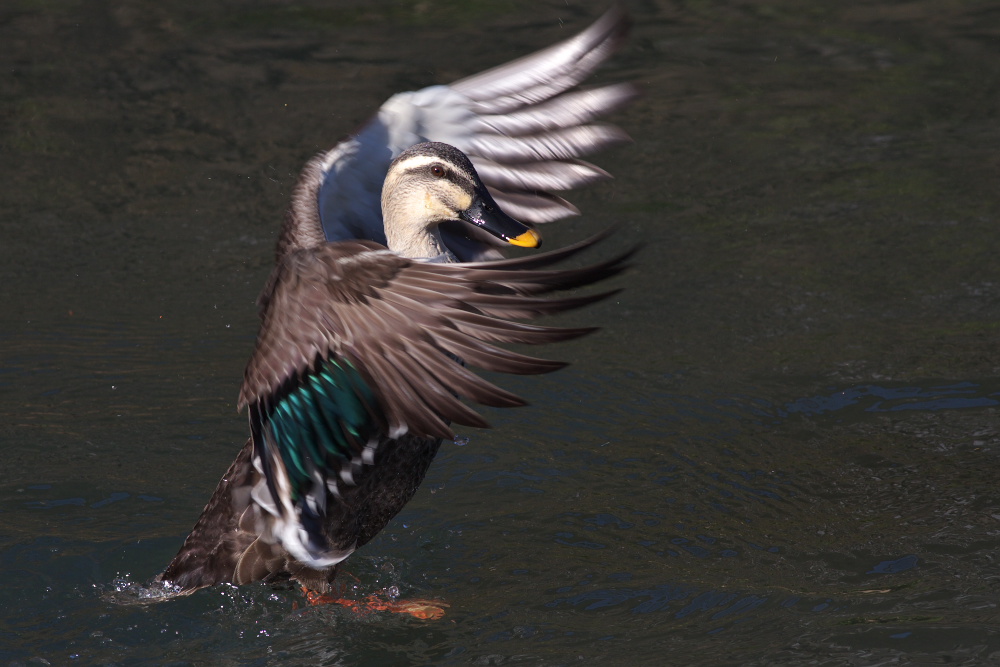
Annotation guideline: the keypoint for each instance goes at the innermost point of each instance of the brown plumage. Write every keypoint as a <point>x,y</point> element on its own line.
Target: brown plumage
<point>401,323</point>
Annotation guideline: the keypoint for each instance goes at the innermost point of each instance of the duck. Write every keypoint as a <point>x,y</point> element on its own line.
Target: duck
<point>524,124</point>
<point>388,281</point>
<point>358,370</point>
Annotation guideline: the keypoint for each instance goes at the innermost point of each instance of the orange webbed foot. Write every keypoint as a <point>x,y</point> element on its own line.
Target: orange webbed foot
<point>430,610</point>
<point>315,599</point>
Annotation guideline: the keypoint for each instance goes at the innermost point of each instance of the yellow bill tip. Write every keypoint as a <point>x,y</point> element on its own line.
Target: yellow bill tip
<point>529,239</point>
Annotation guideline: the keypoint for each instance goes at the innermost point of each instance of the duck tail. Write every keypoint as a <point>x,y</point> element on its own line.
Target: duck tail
<point>217,540</point>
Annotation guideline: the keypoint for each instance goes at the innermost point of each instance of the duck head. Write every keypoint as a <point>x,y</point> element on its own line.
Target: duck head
<point>431,183</point>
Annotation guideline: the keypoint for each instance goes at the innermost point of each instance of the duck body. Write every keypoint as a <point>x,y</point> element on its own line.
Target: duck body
<point>320,478</point>
<point>224,546</point>
<point>360,360</point>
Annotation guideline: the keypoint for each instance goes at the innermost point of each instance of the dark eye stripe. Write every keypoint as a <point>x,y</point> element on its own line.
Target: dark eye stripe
<point>456,177</point>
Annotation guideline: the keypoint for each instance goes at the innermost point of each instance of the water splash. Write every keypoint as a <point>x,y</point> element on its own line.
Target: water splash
<point>123,591</point>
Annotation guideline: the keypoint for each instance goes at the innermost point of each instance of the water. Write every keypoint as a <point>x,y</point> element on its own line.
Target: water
<point>781,449</point>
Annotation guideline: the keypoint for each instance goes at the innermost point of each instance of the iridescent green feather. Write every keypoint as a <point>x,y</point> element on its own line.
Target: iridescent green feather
<point>324,419</point>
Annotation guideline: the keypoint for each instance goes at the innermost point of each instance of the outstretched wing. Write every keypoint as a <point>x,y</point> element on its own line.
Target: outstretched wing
<point>358,343</point>
<point>518,123</point>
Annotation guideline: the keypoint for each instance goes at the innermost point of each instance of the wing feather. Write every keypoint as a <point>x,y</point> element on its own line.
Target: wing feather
<point>522,125</point>
<point>358,344</point>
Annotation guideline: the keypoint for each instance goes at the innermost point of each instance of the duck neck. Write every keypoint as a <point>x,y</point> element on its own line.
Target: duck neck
<point>426,244</point>
<point>401,210</point>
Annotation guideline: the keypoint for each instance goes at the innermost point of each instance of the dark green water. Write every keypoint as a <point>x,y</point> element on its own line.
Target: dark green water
<point>782,449</point>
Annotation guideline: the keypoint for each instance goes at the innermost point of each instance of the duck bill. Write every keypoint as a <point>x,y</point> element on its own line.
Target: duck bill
<point>485,214</point>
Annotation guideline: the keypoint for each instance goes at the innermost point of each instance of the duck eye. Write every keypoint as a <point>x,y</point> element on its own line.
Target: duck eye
<point>437,171</point>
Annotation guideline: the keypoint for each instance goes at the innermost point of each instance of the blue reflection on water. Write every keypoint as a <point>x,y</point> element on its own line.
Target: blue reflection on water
<point>604,519</point>
<point>893,399</point>
<point>670,408</point>
<point>893,566</point>
<point>684,600</point>
<point>660,597</point>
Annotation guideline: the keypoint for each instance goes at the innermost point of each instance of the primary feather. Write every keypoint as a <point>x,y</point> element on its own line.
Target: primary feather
<point>520,123</point>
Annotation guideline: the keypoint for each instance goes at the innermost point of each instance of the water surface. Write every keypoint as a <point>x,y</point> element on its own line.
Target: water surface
<point>782,448</point>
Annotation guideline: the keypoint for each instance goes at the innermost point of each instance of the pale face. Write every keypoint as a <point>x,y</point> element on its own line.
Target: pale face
<point>428,190</point>
<point>431,183</point>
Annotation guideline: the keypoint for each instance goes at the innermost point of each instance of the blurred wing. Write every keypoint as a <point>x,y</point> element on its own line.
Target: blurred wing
<point>357,343</point>
<point>523,131</point>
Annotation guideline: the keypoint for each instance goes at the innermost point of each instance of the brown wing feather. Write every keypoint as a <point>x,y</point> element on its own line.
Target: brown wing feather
<point>402,322</point>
